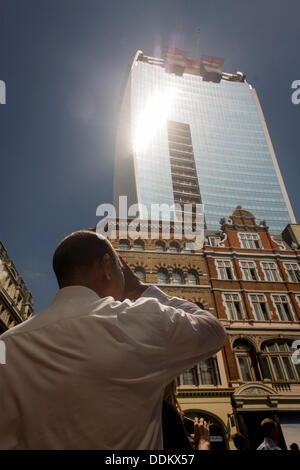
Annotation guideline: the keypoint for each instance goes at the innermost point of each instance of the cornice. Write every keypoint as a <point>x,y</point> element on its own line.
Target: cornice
<point>205,392</point>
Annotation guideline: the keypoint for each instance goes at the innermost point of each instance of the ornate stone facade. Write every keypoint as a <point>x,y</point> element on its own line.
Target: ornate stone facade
<point>16,303</point>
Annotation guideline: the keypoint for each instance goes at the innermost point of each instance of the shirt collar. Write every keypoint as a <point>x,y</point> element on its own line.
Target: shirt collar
<point>75,291</point>
<point>270,442</point>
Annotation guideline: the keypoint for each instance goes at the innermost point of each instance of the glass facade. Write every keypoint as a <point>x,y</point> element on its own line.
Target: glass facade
<point>232,155</point>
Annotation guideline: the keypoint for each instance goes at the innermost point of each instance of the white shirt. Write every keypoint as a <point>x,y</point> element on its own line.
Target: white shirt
<point>89,372</point>
<point>268,444</point>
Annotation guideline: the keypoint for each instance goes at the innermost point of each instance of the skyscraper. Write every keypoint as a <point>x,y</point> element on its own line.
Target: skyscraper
<point>190,133</point>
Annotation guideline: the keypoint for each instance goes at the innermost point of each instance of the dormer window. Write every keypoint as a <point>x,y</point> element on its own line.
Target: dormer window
<point>138,245</point>
<point>214,241</point>
<point>250,240</point>
<point>124,245</point>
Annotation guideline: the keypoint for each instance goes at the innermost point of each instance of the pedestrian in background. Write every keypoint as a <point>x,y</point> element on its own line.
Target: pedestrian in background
<point>270,433</point>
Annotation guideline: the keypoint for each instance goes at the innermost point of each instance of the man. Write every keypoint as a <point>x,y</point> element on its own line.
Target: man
<point>270,433</point>
<point>90,370</point>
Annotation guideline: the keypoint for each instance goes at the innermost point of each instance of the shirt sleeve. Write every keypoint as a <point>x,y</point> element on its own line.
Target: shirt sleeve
<point>191,334</point>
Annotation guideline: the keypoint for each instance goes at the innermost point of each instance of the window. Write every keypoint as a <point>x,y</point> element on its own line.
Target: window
<point>270,271</point>
<point>276,363</point>
<point>192,278</point>
<point>245,368</point>
<point>250,240</point>
<point>242,352</point>
<point>189,377</point>
<point>224,269</point>
<point>10,287</point>
<point>293,271</point>
<point>260,306</point>
<point>4,274</point>
<point>283,307</point>
<point>214,241</point>
<point>138,245</point>
<point>160,246</point>
<point>177,277</point>
<point>209,372</point>
<point>162,276</point>
<point>174,247</point>
<point>249,270</point>
<point>124,245</point>
<point>234,308</point>
<point>204,373</point>
<point>140,273</point>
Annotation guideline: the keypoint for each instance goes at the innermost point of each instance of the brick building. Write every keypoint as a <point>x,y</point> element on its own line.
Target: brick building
<point>255,283</point>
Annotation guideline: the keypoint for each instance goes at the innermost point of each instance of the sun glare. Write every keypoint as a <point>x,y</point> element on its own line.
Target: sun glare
<point>153,118</point>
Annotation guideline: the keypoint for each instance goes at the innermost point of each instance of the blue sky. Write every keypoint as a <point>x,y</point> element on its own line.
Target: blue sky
<point>64,63</point>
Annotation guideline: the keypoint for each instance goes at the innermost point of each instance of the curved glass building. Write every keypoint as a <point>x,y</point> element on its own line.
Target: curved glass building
<point>189,132</point>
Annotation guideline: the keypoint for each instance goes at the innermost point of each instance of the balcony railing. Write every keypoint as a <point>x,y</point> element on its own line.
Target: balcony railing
<point>281,386</point>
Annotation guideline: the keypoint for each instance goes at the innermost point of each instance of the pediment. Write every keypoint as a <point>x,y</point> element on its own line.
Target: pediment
<point>254,389</point>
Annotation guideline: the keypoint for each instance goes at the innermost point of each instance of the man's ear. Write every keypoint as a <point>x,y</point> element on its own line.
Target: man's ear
<point>107,267</point>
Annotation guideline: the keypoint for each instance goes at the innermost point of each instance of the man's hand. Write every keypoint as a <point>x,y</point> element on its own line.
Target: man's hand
<point>133,286</point>
<point>202,435</point>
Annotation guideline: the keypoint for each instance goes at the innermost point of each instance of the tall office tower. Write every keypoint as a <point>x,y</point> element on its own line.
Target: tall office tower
<point>190,133</point>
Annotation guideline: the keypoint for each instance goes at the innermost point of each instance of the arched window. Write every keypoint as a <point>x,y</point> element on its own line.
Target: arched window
<point>162,276</point>
<point>160,246</point>
<point>276,361</point>
<point>138,245</point>
<point>174,247</point>
<point>177,277</point>
<point>124,245</point>
<point>192,278</point>
<point>140,273</point>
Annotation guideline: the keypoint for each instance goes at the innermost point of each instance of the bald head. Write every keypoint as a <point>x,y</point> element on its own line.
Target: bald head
<point>269,428</point>
<point>85,258</point>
